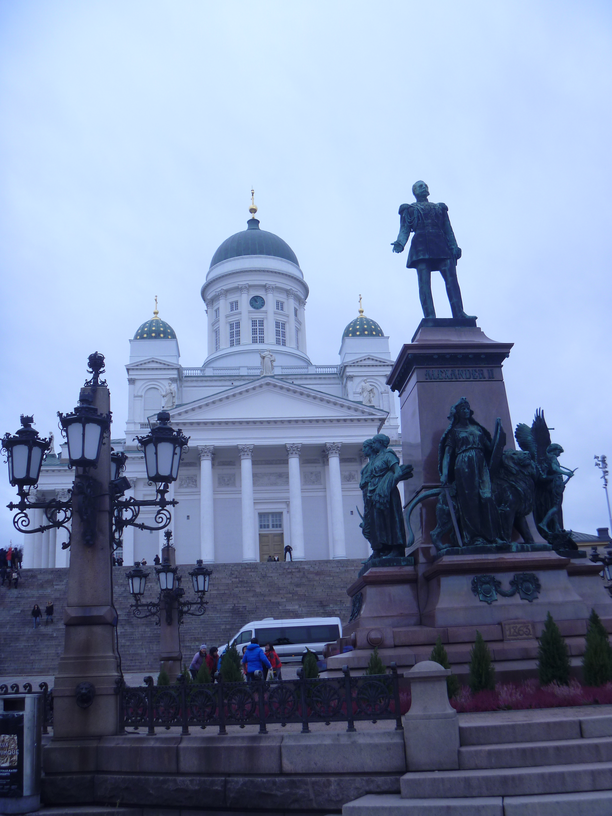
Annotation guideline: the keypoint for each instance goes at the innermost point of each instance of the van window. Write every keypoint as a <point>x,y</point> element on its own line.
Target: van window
<point>243,637</point>
<point>325,633</point>
<point>276,635</point>
<point>289,635</point>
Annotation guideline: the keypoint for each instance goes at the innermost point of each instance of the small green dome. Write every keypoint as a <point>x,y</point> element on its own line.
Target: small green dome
<point>155,329</point>
<point>363,327</point>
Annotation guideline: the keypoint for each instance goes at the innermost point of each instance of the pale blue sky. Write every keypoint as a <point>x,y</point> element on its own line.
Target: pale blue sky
<point>133,131</point>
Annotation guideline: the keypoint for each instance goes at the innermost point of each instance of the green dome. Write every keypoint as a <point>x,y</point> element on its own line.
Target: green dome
<point>155,329</point>
<point>363,327</point>
<point>254,241</point>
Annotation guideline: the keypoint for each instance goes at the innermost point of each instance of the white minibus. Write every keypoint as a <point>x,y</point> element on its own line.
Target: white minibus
<point>289,636</point>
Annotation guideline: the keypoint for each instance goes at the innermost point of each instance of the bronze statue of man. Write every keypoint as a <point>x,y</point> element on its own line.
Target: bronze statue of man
<point>433,247</point>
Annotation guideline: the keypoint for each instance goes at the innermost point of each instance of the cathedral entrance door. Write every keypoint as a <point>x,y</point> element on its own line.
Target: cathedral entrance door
<point>271,544</point>
<point>271,538</point>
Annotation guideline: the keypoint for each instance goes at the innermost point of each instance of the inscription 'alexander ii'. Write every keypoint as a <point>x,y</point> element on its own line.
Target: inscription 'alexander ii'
<point>459,373</point>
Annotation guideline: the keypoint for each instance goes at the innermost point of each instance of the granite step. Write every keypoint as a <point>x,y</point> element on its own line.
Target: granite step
<point>539,729</point>
<point>487,782</point>
<point>528,754</point>
<point>588,803</point>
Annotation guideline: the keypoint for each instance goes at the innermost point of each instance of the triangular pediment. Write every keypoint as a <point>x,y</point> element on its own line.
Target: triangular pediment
<point>151,362</point>
<point>369,360</point>
<point>267,400</point>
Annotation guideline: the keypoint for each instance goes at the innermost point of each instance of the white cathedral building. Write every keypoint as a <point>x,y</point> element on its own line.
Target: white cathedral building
<point>275,441</point>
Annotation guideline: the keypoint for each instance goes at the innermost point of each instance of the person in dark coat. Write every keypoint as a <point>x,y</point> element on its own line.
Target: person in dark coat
<point>49,613</point>
<point>36,614</point>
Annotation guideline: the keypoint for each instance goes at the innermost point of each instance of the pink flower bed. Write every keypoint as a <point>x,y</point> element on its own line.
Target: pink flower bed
<point>517,696</point>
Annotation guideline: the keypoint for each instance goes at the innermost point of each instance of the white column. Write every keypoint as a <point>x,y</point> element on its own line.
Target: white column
<point>128,538</point>
<point>302,314</point>
<point>45,550</point>
<point>207,517</point>
<point>296,519</point>
<point>32,544</point>
<point>131,392</point>
<point>270,334</point>
<point>52,546</point>
<point>245,320</point>
<point>223,327</point>
<point>249,551</point>
<point>291,304</point>
<point>335,497</point>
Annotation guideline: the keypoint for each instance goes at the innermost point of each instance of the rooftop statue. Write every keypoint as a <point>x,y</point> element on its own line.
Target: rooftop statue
<point>433,247</point>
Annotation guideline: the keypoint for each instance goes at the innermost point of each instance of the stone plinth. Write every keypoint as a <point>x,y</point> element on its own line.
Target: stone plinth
<point>382,598</point>
<point>443,363</point>
<point>452,600</point>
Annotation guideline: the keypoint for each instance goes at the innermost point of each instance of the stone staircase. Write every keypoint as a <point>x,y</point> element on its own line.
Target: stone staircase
<point>238,593</point>
<point>525,763</point>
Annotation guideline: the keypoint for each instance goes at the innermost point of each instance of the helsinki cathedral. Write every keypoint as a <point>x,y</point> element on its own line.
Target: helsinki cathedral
<point>275,441</point>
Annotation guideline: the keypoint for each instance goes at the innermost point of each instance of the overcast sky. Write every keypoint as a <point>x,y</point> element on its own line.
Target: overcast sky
<point>132,132</point>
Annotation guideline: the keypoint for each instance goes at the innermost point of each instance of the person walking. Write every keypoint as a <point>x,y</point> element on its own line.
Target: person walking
<point>275,661</point>
<point>255,660</point>
<point>49,613</point>
<point>36,614</point>
<point>198,658</point>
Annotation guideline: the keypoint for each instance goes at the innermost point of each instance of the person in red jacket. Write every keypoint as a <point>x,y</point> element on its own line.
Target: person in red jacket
<point>275,661</point>
<point>212,660</point>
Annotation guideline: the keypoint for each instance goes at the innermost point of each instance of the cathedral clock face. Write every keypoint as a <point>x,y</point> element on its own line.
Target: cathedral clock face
<point>257,302</point>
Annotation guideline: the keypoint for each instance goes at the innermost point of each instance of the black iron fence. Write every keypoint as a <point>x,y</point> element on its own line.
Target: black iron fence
<point>304,701</point>
<point>28,689</point>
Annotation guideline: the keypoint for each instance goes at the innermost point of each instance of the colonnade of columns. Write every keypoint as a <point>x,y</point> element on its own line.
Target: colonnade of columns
<point>250,544</point>
<point>44,549</point>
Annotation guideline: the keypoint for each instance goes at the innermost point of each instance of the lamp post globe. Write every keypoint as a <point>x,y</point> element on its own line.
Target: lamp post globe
<point>25,451</point>
<point>137,579</point>
<point>200,577</point>
<point>162,448</point>
<point>84,429</point>
<point>166,575</point>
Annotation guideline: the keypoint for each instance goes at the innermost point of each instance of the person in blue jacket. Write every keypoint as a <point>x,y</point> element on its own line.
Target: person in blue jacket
<point>255,659</point>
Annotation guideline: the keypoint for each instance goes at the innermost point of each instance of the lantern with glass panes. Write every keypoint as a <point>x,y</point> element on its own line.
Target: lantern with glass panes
<point>170,590</point>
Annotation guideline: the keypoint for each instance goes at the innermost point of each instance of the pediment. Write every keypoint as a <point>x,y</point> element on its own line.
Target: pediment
<point>268,400</point>
<point>152,362</point>
<point>368,360</point>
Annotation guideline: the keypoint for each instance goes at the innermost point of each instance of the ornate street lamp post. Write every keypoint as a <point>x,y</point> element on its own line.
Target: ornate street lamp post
<point>95,514</point>
<point>170,602</point>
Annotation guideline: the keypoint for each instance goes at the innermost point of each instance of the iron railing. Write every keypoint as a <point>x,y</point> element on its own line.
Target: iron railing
<point>28,689</point>
<point>304,701</point>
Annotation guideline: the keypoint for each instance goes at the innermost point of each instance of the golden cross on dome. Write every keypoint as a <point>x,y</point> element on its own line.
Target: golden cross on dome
<point>252,208</point>
<point>155,312</point>
<point>360,309</point>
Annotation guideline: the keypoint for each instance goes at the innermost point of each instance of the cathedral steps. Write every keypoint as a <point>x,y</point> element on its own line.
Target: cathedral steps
<point>238,594</point>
